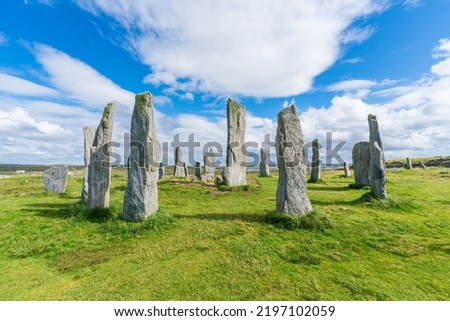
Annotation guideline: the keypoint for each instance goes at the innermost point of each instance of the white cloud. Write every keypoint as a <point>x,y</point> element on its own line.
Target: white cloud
<point>351,85</point>
<point>78,80</point>
<point>357,35</point>
<point>3,39</point>
<point>240,48</point>
<point>413,122</point>
<point>410,4</point>
<point>18,86</point>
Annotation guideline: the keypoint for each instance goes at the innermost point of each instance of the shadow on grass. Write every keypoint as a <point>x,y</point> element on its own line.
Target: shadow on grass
<point>70,211</point>
<point>223,217</point>
<point>327,188</point>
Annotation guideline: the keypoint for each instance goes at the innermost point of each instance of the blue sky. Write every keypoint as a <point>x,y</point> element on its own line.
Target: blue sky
<point>61,62</point>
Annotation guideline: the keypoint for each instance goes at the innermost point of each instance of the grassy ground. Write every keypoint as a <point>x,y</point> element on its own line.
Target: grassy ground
<point>213,245</point>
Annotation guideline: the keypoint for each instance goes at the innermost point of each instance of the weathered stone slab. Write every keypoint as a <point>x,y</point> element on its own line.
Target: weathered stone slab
<point>377,161</point>
<point>99,172</point>
<point>361,163</point>
<point>198,171</point>
<point>291,192</point>
<point>209,168</point>
<point>55,179</point>
<point>234,174</point>
<point>162,171</point>
<point>264,168</point>
<point>180,169</point>
<point>346,170</point>
<point>89,134</point>
<point>141,195</point>
<point>408,163</point>
<point>315,162</point>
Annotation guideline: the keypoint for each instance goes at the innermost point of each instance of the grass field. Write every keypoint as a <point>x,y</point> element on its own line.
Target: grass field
<point>207,244</point>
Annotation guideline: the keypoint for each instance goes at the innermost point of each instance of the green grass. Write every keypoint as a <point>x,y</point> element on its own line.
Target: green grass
<point>211,244</point>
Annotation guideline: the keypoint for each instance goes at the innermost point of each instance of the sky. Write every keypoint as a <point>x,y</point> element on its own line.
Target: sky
<point>62,62</point>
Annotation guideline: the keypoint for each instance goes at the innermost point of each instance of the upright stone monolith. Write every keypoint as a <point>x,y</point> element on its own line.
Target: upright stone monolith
<point>180,169</point>
<point>162,171</point>
<point>408,163</point>
<point>346,170</point>
<point>361,163</point>
<point>234,174</point>
<point>377,161</point>
<point>141,195</point>
<point>315,162</point>
<point>291,192</point>
<point>209,167</point>
<point>55,179</point>
<point>89,134</point>
<point>99,172</point>
<point>198,171</point>
<point>264,168</point>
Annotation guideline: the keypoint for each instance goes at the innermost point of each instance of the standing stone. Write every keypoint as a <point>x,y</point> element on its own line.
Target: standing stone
<point>422,165</point>
<point>408,163</point>
<point>234,174</point>
<point>346,170</point>
<point>198,171</point>
<point>264,168</point>
<point>55,179</point>
<point>162,171</point>
<point>180,169</point>
<point>209,168</point>
<point>291,192</point>
<point>361,163</point>
<point>99,169</point>
<point>315,163</point>
<point>89,134</point>
<point>377,161</point>
<point>141,195</point>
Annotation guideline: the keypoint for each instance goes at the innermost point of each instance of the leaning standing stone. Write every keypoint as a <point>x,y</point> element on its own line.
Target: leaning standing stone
<point>89,134</point>
<point>408,163</point>
<point>377,161</point>
<point>315,164</point>
<point>234,174</point>
<point>99,172</point>
<point>141,195</point>
<point>55,179</point>
<point>361,163</point>
<point>264,168</point>
<point>291,192</point>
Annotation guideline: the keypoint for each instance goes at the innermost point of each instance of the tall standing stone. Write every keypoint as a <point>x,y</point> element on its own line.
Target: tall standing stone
<point>89,134</point>
<point>346,170</point>
<point>234,174</point>
<point>99,169</point>
<point>162,171</point>
<point>315,163</point>
<point>264,168</point>
<point>141,195</point>
<point>291,192</point>
<point>377,161</point>
<point>180,169</point>
<point>198,171</point>
<point>55,179</point>
<point>361,163</point>
<point>209,168</point>
<point>408,163</point>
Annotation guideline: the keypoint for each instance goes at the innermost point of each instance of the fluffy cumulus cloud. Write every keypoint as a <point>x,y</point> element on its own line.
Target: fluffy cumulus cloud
<point>413,119</point>
<point>240,48</point>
